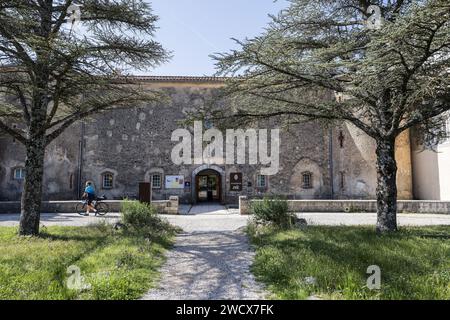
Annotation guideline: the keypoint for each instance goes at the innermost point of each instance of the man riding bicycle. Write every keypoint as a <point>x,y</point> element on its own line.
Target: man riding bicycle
<point>89,193</point>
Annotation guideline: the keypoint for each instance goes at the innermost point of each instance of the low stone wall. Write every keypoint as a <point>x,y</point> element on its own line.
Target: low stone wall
<point>403,206</point>
<point>55,206</point>
<point>170,206</point>
<point>164,206</point>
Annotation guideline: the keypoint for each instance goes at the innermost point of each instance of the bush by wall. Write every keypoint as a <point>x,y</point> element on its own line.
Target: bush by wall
<point>272,211</point>
<point>142,218</point>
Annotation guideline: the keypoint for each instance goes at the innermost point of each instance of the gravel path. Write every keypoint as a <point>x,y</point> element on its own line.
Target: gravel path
<point>210,260</point>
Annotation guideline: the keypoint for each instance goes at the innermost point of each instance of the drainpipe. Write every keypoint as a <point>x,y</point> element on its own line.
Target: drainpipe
<point>330,162</point>
<point>80,159</point>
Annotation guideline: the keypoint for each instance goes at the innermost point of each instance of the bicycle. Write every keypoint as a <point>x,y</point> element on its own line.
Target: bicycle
<point>101,207</point>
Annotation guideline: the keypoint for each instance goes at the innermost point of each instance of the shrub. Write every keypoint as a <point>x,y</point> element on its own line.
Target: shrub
<point>272,211</point>
<point>141,217</point>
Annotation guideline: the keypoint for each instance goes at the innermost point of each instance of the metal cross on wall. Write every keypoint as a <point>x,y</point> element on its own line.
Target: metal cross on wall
<point>341,139</point>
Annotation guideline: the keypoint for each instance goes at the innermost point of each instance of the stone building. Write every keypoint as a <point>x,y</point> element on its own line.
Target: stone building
<point>119,149</point>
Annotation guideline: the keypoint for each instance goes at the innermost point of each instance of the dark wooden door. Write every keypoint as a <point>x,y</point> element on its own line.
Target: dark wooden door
<point>144,192</point>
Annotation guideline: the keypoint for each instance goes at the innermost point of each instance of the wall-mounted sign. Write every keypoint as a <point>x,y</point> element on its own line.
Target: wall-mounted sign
<point>174,182</point>
<point>236,181</point>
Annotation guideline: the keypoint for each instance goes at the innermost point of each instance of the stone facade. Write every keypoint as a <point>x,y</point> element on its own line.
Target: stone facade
<point>119,149</point>
<point>61,167</point>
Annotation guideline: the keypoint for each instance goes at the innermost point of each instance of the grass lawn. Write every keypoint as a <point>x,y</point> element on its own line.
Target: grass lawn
<point>415,262</point>
<point>115,264</point>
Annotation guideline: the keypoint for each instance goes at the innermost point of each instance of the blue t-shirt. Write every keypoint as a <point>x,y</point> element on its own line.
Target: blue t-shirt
<point>90,190</point>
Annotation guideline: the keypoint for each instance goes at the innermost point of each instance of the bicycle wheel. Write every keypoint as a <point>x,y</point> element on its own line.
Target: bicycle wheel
<point>81,208</point>
<point>102,209</point>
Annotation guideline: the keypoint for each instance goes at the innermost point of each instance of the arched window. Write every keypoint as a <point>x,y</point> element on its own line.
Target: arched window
<point>107,180</point>
<point>307,180</point>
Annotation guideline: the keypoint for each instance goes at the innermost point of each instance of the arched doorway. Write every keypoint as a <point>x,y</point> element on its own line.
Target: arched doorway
<point>208,184</point>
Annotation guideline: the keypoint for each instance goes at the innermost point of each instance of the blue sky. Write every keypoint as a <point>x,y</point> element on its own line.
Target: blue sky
<point>194,29</point>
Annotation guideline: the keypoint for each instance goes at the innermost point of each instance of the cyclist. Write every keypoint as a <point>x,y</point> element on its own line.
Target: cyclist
<point>89,193</point>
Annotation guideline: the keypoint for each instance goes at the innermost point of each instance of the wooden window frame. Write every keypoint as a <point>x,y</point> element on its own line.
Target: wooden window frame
<point>261,187</point>
<point>104,175</point>
<point>310,184</point>
<point>160,181</point>
<point>22,176</point>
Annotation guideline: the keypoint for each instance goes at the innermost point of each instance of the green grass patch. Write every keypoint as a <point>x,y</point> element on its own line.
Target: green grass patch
<point>415,262</point>
<point>116,264</point>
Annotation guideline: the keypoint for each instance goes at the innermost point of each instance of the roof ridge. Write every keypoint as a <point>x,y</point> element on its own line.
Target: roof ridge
<point>176,78</point>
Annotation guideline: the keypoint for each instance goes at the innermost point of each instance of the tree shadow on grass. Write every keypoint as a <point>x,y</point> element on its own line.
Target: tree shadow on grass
<point>72,237</point>
<point>349,251</point>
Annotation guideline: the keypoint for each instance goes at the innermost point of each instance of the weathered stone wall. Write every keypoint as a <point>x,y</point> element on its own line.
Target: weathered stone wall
<point>60,169</point>
<point>132,144</point>
<point>355,160</point>
<point>404,166</point>
<point>357,206</point>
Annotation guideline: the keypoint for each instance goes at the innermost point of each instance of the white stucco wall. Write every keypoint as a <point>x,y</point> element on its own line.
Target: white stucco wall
<point>444,170</point>
<point>431,173</point>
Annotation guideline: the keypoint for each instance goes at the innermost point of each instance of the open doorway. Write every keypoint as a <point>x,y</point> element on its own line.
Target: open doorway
<point>208,186</point>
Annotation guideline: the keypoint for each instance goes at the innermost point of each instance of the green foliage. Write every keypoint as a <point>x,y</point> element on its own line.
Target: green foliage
<point>137,215</point>
<point>322,61</point>
<point>55,74</point>
<point>75,61</point>
<point>414,262</point>
<point>116,264</point>
<point>142,218</point>
<point>319,59</point>
<point>272,211</point>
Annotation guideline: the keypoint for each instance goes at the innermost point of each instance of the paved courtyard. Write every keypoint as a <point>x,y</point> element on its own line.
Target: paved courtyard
<point>354,219</point>
<point>203,217</point>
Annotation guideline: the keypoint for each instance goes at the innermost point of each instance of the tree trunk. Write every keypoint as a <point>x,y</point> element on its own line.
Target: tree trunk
<point>386,186</point>
<point>32,191</point>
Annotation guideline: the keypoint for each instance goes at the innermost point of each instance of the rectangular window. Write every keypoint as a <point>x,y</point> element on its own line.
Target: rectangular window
<point>107,181</point>
<point>307,180</point>
<point>342,182</point>
<point>156,181</point>
<point>341,139</point>
<point>71,181</point>
<point>261,181</point>
<point>19,174</point>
